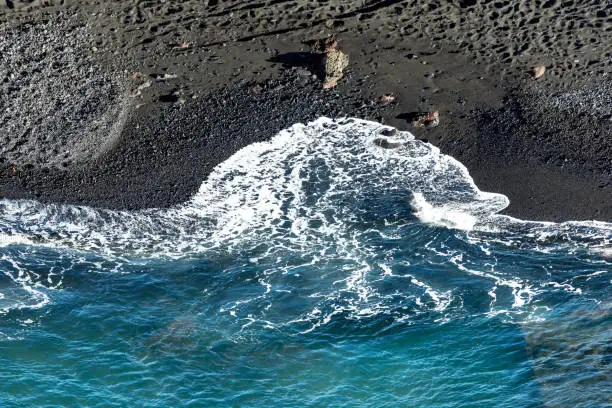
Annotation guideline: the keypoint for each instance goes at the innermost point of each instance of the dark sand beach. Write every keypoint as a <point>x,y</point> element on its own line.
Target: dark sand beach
<point>341,264</point>
<point>131,104</point>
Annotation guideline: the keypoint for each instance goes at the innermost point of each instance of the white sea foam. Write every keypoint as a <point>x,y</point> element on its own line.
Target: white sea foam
<point>320,173</point>
<point>26,293</point>
<point>445,216</point>
<point>315,190</point>
<point>16,239</point>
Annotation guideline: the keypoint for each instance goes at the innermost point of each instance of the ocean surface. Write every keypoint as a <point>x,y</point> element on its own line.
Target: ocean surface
<point>341,264</point>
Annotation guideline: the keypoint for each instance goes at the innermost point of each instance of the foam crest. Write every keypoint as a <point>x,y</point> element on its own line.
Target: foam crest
<point>445,216</point>
<point>306,180</point>
<point>322,193</point>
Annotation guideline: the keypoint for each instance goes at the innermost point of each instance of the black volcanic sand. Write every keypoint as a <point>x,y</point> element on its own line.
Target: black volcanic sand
<point>166,152</point>
<point>131,104</point>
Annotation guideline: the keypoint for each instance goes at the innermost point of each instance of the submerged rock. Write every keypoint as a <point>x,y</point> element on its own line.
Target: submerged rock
<point>386,143</point>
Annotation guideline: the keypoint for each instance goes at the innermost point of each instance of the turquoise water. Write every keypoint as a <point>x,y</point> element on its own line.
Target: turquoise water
<point>319,270</point>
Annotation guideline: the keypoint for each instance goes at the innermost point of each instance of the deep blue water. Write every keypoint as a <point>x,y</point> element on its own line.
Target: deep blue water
<point>317,270</point>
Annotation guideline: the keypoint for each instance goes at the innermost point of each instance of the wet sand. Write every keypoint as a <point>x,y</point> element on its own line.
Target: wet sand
<point>130,105</point>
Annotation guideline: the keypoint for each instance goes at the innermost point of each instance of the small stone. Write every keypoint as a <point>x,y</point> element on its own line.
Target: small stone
<point>302,71</point>
<point>386,99</point>
<point>181,46</point>
<point>426,120</point>
<point>255,89</point>
<point>138,90</point>
<point>163,77</point>
<point>538,71</point>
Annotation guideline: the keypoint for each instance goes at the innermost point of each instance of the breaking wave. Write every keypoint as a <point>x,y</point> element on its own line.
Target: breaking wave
<point>356,219</point>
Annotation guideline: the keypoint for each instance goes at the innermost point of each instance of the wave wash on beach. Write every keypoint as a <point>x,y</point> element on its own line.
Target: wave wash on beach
<point>339,240</point>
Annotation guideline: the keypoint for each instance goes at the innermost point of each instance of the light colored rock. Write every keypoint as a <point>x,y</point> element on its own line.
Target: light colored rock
<point>335,62</point>
<point>426,120</point>
<point>386,99</point>
<point>538,71</point>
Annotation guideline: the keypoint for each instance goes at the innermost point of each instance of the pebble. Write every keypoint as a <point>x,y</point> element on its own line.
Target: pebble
<point>426,120</point>
<point>538,71</point>
<point>386,99</point>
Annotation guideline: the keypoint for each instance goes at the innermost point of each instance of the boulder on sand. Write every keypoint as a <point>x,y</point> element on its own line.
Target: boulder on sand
<point>334,62</point>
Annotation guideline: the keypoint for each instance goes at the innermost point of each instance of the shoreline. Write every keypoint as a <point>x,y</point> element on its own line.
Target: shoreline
<point>527,139</point>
